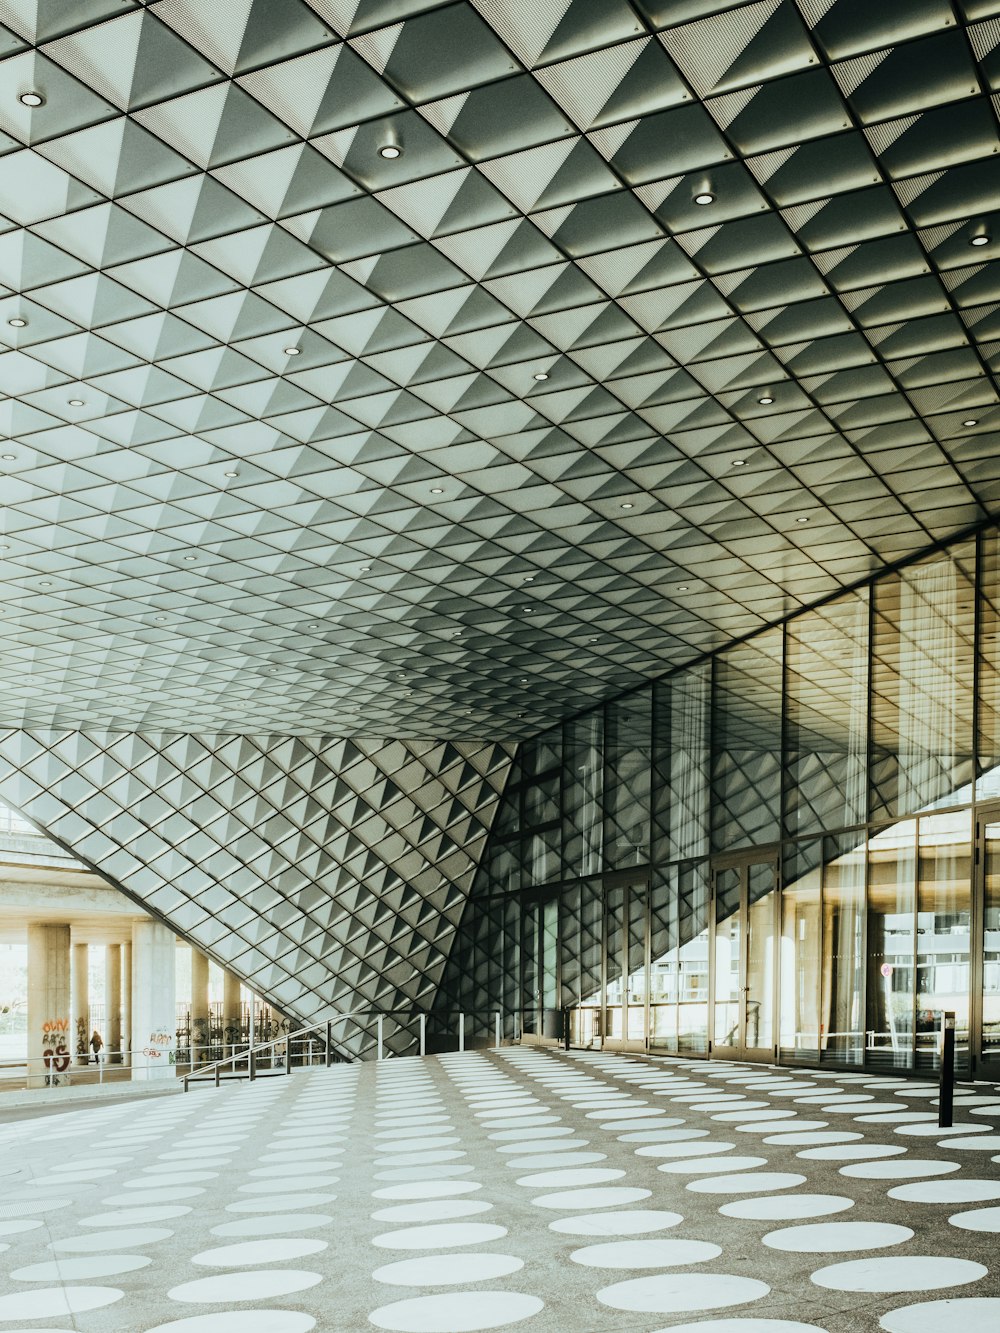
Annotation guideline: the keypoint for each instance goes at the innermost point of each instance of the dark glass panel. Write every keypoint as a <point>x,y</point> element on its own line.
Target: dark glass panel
<point>627,780</point>
<point>746,759</point>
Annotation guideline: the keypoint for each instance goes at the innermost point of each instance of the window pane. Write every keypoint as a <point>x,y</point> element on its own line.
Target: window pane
<point>988,785</point>
<point>827,717</point>
<point>628,747</point>
<point>922,685</point>
<point>842,1035</point>
<point>991,943</point>
<point>800,954</point>
<point>693,918</point>
<point>892,873</point>
<point>943,908</point>
<point>746,760</point>
<point>584,779</point>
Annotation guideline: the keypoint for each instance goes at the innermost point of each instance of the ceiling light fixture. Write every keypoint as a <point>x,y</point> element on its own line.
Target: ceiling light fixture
<point>540,375</point>
<point>366,569</point>
<point>704,197</point>
<point>45,583</point>
<point>971,421</point>
<point>292,351</point>
<point>390,150</point>
<point>76,402</point>
<point>190,557</point>
<point>739,462</point>
<point>682,587</point>
<point>980,238</point>
<point>31,99</point>
<point>437,490</point>
<point>801,520</point>
<point>765,399</point>
<point>230,474</point>
<point>8,458</point>
<point>529,578</point>
<point>18,323</point>
<point>627,505</point>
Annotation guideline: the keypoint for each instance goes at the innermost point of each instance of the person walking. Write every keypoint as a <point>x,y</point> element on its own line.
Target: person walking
<point>96,1042</point>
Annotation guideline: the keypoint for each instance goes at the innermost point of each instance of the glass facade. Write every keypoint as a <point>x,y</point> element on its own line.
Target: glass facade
<point>789,849</point>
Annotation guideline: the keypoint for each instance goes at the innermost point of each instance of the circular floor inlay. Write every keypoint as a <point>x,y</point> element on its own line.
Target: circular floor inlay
<point>71,1270</point>
<point>275,1250</point>
<point>754,1182</point>
<point>978,1219</point>
<point>852,1152</point>
<point>431,1210</point>
<point>249,1285</point>
<point>458,1311</point>
<point>110,1240</point>
<point>633,1223</point>
<point>696,1149</point>
<point>609,1197</point>
<point>441,1270</point>
<point>899,1273</point>
<point>127,1216</point>
<point>744,1326</point>
<point>972,1314</point>
<point>426,1189</point>
<point>273,1226</point>
<point>837,1237</point>
<point>240,1321</point>
<point>56,1301</point>
<point>899,1169</point>
<point>646,1254</point>
<point>708,1165</point>
<point>947,1191</point>
<point>676,1293</point>
<point>584,1176</point>
<point>440,1237</point>
<point>785,1207</point>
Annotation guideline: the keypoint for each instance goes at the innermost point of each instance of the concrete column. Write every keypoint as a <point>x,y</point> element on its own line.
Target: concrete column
<point>113,1003</point>
<point>126,1002</point>
<point>154,1004</point>
<point>232,1013</point>
<point>81,1003</point>
<point>50,1037</point>
<point>199,1006</point>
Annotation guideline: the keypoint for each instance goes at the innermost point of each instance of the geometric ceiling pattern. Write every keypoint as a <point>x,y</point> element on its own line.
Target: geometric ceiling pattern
<point>371,366</point>
<point>330,875</point>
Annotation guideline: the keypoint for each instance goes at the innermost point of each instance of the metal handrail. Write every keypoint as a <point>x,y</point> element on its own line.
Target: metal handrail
<point>325,1026</point>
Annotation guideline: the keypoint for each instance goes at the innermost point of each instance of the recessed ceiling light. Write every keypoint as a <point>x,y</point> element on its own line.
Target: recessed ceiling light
<point>230,474</point>
<point>31,99</point>
<point>739,462</point>
<point>594,639</point>
<point>529,578</point>
<point>971,421</point>
<point>161,617</point>
<point>366,569</point>
<point>292,351</point>
<point>704,197</point>
<point>801,520</point>
<point>390,151</point>
<point>76,402</point>
<point>4,547</point>
<point>437,490</point>
<point>190,557</point>
<point>45,583</point>
<point>682,587</point>
<point>18,323</point>
<point>979,239</point>
<point>628,505</point>
<point>765,399</point>
<point>540,375</point>
<point>8,458</point>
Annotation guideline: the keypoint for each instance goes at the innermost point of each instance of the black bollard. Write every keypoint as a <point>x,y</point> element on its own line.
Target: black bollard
<point>946,1090</point>
<point>566,1029</point>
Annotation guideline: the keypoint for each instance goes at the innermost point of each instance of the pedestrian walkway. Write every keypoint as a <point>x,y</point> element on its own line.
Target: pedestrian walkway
<point>522,1188</point>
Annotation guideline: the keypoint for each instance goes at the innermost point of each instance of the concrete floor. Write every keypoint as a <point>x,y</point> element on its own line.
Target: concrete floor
<point>561,1193</point>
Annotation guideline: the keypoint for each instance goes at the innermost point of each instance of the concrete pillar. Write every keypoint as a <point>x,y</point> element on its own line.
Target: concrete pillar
<point>199,1006</point>
<point>113,1003</point>
<point>50,1036</point>
<point>154,1004</point>
<point>81,1003</point>
<point>232,1012</point>
<point>126,1002</point>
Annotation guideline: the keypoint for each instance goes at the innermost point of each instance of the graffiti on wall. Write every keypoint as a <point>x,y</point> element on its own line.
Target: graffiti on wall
<point>55,1051</point>
<point>160,1047</point>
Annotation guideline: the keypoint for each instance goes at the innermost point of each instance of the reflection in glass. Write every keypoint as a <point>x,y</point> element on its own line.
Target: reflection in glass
<point>636,983</point>
<point>583,790</point>
<point>842,1028</point>
<point>943,933</point>
<point>800,956</point>
<point>614,930</point>
<point>728,929</point>
<point>581,955</point>
<point>826,722</point>
<point>746,754</point>
<point>530,969</point>
<point>628,746</point>
<point>759,992</point>
<point>892,867</point>
<point>991,942</point>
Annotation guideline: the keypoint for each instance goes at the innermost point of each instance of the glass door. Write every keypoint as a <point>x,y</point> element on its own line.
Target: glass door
<point>541,1016</point>
<point>626,935</point>
<point>744,956</point>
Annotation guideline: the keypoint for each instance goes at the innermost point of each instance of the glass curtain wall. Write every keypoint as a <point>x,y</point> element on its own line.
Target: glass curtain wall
<point>857,748</point>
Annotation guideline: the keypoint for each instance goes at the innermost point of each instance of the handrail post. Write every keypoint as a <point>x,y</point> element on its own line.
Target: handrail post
<point>329,1043</point>
<point>253,1064</point>
<point>498,1019</point>
<point>423,1034</point>
<point>378,1025</point>
<point>288,1054</point>
<point>461,1032</point>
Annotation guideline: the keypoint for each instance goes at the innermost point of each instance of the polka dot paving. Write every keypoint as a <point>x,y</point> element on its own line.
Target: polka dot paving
<point>521,1188</point>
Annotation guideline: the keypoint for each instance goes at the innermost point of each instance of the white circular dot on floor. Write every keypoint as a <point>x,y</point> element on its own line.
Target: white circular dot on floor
<point>544,1146</point>
<point>111,1240</point>
<point>240,1321</point>
<point>805,1138</point>
<point>423,1172</point>
<point>636,1222</point>
<point>785,1207</point>
<point>71,1270</point>
<point>594,1175</point>
<point>608,1197</point>
<point>568,1159</point>
<point>273,1226</point>
<point>519,1134</point>
<point>458,1311</point>
<point>12,1228</point>
<point>710,1165</point>
<point>837,1237</point>
<point>977,1219</point>
<point>979,1143</point>
<point>698,1148</point>
<point>754,1182</point>
<point>663,1135</point>
<point>291,1183</point>
<point>933,1130</point>
<point>23,1208</point>
<point>438,1237</point>
<point>669,1293</point>
<point>248,1285</point>
<point>947,1191</point>
<point>972,1314</point>
<point>127,1216</point>
<point>744,1326</point>
<point>441,1270</point>
<point>426,1189</point>
<point>646,1253</point>
<point>852,1152</point>
<point>926,1272</point>
<point>271,1202</point>
<point>432,1210</point>
<point>277,1249</point>
<point>56,1301</point>
<point>899,1168</point>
